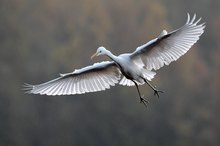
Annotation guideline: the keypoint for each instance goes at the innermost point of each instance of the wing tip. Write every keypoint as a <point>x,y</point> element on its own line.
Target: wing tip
<point>193,21</point>
<point>188,18</point>
<point>27,88</point>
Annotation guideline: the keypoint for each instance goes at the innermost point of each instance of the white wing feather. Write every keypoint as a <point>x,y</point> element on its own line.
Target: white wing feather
<point>169,47</point>
<point>97,77</point>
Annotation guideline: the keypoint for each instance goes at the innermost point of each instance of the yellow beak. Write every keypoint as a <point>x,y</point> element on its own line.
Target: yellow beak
<point>94,55</point>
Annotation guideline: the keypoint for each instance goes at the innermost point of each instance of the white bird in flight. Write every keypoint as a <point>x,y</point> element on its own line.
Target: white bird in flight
<point>126,69</point>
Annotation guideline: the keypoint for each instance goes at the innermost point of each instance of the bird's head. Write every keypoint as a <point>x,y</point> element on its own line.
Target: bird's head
<point>100,51</point>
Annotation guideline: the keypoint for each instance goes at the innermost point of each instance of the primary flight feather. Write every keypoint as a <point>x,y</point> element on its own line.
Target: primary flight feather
<point>126,69</point>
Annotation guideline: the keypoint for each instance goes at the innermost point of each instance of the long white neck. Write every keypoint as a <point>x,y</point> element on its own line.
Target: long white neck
<point>111,56</point>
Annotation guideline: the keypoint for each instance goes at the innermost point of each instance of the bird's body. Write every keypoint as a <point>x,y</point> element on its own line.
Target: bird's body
<point>126,69</point>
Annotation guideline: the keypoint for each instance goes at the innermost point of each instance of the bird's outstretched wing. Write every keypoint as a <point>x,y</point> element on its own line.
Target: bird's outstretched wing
<point>169,47</point>
<point>97,77</point>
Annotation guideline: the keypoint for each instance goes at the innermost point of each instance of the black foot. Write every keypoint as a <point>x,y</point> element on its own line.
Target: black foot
<point>156,92</point>
<point>144,101</point>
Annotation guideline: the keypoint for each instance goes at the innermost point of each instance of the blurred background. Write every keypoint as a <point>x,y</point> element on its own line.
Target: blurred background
<point>41,38</point>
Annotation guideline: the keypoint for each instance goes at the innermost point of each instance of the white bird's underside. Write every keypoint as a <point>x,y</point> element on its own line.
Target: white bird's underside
<point>147,75</point>
<point>153,55</point>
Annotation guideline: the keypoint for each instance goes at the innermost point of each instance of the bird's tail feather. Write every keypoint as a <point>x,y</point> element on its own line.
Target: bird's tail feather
<point>148,74</point>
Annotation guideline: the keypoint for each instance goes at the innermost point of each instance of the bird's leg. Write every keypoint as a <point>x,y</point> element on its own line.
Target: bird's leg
<point>156,92</point>
<point>142,100</point>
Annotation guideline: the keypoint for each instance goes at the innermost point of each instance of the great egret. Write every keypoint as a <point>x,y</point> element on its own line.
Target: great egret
<point>126,69</point>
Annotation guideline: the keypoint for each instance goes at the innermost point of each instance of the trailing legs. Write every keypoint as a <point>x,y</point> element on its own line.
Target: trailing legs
<point>142,100</point>
<point>156,92</point>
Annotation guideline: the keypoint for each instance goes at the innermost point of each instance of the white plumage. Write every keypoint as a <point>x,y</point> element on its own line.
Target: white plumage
<point>126,69</point>
<point>97,77</point>
<point>169,47</point>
